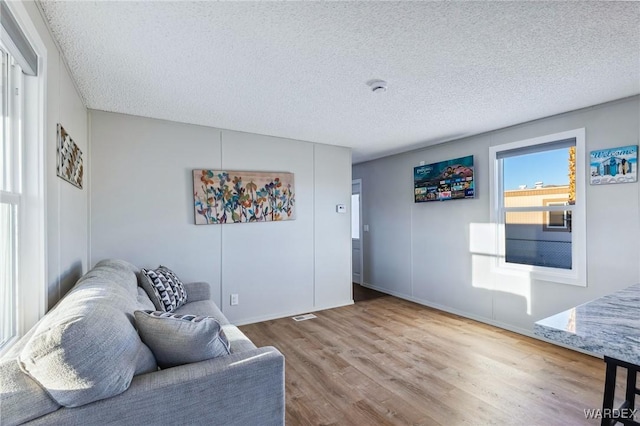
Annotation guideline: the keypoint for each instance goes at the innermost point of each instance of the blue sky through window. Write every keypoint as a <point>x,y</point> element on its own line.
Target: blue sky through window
<point>548,167</point>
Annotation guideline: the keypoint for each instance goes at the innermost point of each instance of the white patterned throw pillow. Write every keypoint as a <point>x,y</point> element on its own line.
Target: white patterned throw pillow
<point>164,288</point>
<point>176,284</point>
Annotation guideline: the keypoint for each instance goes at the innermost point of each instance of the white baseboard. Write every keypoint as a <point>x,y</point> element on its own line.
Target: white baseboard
<point>478,318</point>
<point>253,320</point>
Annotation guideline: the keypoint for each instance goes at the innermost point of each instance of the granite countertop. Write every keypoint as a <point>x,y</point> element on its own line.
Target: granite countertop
<point>607,326</point>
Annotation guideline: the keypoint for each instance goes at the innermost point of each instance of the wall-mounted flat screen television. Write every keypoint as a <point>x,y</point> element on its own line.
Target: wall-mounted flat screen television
<point>446,180</point>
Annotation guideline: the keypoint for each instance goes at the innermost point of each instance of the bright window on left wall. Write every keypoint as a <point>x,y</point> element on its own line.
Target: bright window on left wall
<point>22,258</point>
<point>9,205</point>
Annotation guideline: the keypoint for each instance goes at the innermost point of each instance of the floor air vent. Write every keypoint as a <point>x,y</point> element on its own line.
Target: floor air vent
<point>304,317</point>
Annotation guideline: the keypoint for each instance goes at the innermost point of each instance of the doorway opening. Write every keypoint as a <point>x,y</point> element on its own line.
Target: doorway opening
<point>356,231</point>
<point>360,292</point>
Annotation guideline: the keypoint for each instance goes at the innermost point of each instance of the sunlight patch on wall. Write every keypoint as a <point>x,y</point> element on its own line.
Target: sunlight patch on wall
<point>484,249</point>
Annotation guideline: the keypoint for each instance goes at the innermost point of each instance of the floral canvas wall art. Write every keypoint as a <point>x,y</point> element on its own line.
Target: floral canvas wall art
<point>240,196</point>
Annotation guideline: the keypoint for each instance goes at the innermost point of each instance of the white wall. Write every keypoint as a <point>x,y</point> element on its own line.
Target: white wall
<point>435,253</point>
<point>332,231</point>
<point>66,205</point>
<point>142,211</point>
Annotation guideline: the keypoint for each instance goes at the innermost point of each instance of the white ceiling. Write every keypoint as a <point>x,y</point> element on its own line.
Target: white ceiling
<point>299,69</point>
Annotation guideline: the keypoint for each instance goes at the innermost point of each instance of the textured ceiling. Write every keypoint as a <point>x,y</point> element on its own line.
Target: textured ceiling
<point>299,69</point>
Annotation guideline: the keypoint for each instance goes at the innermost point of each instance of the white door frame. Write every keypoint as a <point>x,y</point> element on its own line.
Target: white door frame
<point>361,257</point>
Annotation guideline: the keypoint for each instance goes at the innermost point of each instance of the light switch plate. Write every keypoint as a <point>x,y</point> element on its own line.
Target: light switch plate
<point>341,208</point>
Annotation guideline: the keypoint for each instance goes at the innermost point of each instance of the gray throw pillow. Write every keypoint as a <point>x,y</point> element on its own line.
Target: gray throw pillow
<point>181,339</point>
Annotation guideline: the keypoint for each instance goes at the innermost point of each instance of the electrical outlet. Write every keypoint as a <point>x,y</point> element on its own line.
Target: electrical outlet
<point>234,299</point>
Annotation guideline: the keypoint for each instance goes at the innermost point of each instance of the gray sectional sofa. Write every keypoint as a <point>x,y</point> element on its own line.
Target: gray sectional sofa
<point>84,363</point>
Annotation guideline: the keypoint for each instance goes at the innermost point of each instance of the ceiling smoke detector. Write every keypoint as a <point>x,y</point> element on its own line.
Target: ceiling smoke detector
<point>377,86</point>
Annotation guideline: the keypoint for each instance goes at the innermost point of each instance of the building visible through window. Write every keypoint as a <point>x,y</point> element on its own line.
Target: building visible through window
<point>537,203</point>
<point>530,235</point>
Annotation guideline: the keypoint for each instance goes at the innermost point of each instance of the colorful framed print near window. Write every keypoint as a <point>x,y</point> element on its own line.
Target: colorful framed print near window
<point>615,165</point>
<point>69,159</point>
<point>238,196</point>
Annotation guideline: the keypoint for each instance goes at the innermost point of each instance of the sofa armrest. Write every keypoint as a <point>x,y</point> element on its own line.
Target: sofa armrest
<point>238,389</point>
<point>197,291</point>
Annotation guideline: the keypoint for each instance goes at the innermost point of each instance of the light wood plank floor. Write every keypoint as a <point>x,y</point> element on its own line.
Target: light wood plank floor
<point>390,361</point>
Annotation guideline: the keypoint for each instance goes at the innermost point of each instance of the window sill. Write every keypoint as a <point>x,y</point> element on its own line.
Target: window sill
<point>540,273</point>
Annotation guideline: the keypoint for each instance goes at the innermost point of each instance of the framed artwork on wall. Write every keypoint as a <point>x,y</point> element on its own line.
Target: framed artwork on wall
<point>614,165</point>
<point>242,196</point>
<point>69,165</point>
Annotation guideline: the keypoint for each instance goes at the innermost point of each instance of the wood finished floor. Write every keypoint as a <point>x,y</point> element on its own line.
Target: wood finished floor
<point>389,361</point>
<point>361,293</point>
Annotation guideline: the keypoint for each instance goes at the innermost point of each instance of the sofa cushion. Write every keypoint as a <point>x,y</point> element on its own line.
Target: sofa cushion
<point>86,348</point>
<point>237,339</point>
<point>198,291</point>
<point>204,308</point>
<point>21,398</point>
<point>178,339</point>
<point>118,271</point>
<point>144,301</point>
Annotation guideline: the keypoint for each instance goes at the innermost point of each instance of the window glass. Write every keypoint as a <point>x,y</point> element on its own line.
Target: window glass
<point>10,197</point>
<point>22,222</point>
<point>7,272</point>
<point>543,179</point>
<point>527,243</point>
<point>5,147</point>
<point>528,177</point>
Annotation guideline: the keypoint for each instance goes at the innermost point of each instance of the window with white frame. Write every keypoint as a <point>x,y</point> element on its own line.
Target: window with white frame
<point>10,196</point>
<point>537,199</point>
<point>22,285</point>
